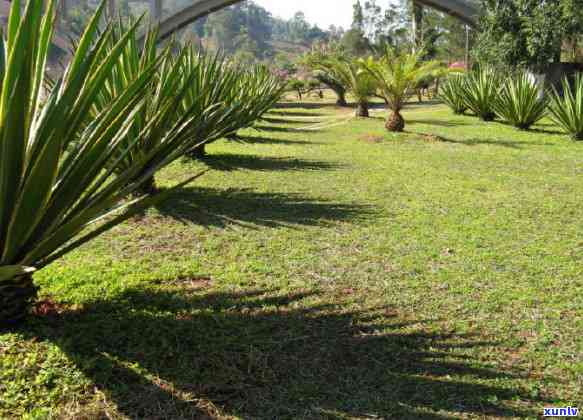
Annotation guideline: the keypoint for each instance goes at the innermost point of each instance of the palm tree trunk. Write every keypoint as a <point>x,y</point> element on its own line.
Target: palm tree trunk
<point>362,110</point>
<point>395,122</point>
<point>341,101</point>
<point>16,299</point>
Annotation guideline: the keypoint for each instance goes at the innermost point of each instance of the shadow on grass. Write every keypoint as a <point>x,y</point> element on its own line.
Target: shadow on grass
<point>304,105</point>
<point>556,132</point>
<point>290,122</point>
<point>182,353</point>
<point>427,102</point>
<point>221,208</point>
<point>437,123</point>
<point>510,144</point>
<point>293,114</point>
<point>268,140</point>
<point>231,162</point>
<point>279,129</point>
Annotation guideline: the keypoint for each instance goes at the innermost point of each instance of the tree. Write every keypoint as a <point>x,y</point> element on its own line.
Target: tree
<point>299,27</point>
<point>526,33</point>
<point>355,43</point>
<point>222,27</point>
<point>358,81</point>
<point>397,76</point>
<point>314,60</point>
<point>358,17</point>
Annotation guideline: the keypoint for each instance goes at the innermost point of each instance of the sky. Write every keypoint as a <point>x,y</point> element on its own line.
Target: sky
<point>322,12</point>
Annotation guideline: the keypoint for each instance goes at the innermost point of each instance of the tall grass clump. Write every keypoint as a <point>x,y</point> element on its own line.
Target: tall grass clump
<point>452,93</point>
<point>520,103</point>
<point>480,93</point>
<point>567,110</point>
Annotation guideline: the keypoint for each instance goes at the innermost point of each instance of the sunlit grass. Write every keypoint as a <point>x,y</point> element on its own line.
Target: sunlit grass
<point>326,269</point>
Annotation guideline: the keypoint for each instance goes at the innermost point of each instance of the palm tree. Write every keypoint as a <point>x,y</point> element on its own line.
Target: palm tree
<point>397,76</point>
<point>314,59</point>
<point>360,83</point>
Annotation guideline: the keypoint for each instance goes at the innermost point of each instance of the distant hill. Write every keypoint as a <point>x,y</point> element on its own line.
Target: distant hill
<point>287,47</point>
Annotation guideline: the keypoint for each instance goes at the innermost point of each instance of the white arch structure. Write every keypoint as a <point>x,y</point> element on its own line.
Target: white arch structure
<point>465,10</point>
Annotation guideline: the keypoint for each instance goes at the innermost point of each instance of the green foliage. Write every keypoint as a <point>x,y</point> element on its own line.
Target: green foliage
<point>296,84</point>
<point>351,74</point>
<point>452,93</point>
<point>520,102</point>
<point>316,61</point>
<point>526,33</point>
<point>356,43</point>
<point>398,74</point>
<point>57,170</point>
<point>162,129</point>
<point>481,92</point>
<point>245,94</point>
<point>567,110</point>
<point>244,28</point>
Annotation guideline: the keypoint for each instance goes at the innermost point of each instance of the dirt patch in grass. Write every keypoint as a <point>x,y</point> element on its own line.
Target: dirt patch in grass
<point>370,138</point>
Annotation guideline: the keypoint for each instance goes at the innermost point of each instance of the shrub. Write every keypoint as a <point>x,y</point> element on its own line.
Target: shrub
<point>567,110</point>
<point>452,93</point>
<point>519,102</point>
<point>480,93</point>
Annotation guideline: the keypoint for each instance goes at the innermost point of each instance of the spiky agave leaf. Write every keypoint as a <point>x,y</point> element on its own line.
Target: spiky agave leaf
<point>481,91</point>
<point>520,103</point>
<point>245,95</point>
<point>55,174</point>
<point>567,110</point>
<point>163,129</point>
<point>452,93</point>
<point>258,92</point>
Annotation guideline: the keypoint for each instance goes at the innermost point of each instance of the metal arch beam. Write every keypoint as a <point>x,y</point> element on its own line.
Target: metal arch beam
<point>467,12</point>
<point>198,9</point>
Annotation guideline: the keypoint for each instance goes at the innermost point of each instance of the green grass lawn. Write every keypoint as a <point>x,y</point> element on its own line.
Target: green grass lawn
<point>326,269</point>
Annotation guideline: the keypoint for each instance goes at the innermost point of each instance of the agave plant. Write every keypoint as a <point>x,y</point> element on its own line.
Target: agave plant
<point>481,91</point>
<point>452,93</point>
<point>165,129</point>
<point>567,110</point>
<point>247,94</point>
<point>357,80</point>
<point>56,172</point>
<point>397,76</point>
<point>519,102</point>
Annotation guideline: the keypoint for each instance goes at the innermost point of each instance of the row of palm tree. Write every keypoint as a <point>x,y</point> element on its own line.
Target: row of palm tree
<point>392,77</point>
<point>76,154</point>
